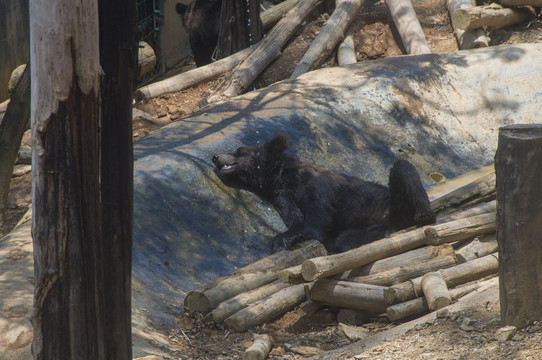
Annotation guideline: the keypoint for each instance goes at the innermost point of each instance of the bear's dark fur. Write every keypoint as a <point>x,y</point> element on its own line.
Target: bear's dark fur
<point>341,211</point>
<point>201,20</point>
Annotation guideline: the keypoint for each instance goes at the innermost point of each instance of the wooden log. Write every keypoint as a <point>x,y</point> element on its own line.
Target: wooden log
<point>265,52</point>
<point>478,248</point>
<point>325,266</point>
<point>349,295</point>
<point>408,26</point>
<point>146,59</point>
<point>191,77</point>
<point>331,33</point>
<point>454,276</point>
<point>292,275</point>
<point>252,276</point>
<point>260,348</point>
<point>519,212</point>
<point>461,229</point>
<point>261,312</point>
<point>406,272</point>
<point>286,258</point>
<point>473,17</point>
<point>513,3</point>
<point>419,306</point>
<point>272,15</point>
<point>467,39</point>
<point>346,53</point>
<point>238,302</point>
<point>465,190</point>
<point>392,262</point>
<point>435,290</point>
<point>478,209</point>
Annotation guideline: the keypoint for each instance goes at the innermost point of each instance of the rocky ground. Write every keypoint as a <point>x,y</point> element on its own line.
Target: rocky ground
<point>468,331</point>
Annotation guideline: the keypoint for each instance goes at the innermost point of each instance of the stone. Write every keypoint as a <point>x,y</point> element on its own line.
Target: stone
<point>505,333</point>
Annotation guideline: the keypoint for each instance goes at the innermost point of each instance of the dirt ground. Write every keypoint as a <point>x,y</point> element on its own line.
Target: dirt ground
<point>308,330</point>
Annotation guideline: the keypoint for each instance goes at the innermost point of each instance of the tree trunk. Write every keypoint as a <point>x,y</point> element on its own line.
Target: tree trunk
<point>519,168</point>
<point>12,128</point>
<point>119,59</point>
<point>82,234</point>
<point>240,26</point>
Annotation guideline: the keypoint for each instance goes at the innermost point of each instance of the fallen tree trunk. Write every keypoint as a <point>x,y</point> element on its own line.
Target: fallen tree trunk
<point>435,290</point>
<point>454,276</point>
<point>260,348</point>
<point>250,277</point>
<point>346,53</point>
<point>349,295</point>
<point>261,312</point>
<point>419,306</point>
<point>473,17</point>
<point>467,39</point>
<point>331,33</point>
<point>238,302</point>
<point>406,272</point>
<point>265,52</point>
<point>408,26</point>
<point>325,266</point>
<point>461,229</point>
<point>406,258</point>
<point>191,77</point>
<point>465,190</point>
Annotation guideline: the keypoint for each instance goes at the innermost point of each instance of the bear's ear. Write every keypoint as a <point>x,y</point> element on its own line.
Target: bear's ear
<point>278,144</point>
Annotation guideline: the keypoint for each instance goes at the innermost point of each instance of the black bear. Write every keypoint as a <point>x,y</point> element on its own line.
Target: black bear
<point>341,211</point>
<point>201,20</point>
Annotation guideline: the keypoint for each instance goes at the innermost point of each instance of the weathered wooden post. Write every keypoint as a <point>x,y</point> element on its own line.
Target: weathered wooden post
<point>518,165</point>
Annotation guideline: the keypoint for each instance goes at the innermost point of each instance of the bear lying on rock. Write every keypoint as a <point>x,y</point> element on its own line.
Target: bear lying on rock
<point>341,211</point>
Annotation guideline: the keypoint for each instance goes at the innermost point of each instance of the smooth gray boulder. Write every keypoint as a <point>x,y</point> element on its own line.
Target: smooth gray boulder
<point>439,111</point>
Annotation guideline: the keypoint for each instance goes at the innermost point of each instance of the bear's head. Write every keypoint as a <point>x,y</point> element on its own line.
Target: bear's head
<point>253,167</point>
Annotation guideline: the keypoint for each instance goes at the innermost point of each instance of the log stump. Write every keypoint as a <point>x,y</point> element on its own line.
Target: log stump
<point>518,168</point>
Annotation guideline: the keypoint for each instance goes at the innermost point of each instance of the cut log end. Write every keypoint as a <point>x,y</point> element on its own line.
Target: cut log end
<point>197,301</point>
<point>309,270</point>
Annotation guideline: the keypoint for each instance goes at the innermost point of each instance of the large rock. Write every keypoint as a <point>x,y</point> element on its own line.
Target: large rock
<point>440,111</point>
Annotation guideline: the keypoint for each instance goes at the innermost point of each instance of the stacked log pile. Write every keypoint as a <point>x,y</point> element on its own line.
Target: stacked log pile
<point>406,274</point>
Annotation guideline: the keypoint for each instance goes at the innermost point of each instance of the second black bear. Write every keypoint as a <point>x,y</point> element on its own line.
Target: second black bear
<point>201,20</point>
<point>341,211</point>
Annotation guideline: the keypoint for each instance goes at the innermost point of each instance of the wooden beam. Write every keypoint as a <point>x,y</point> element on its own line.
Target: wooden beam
<point>461,229</point>
<point>325,266</point>
<point>261,312</point>
<point>349,295</point>
<point>238,302</point>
